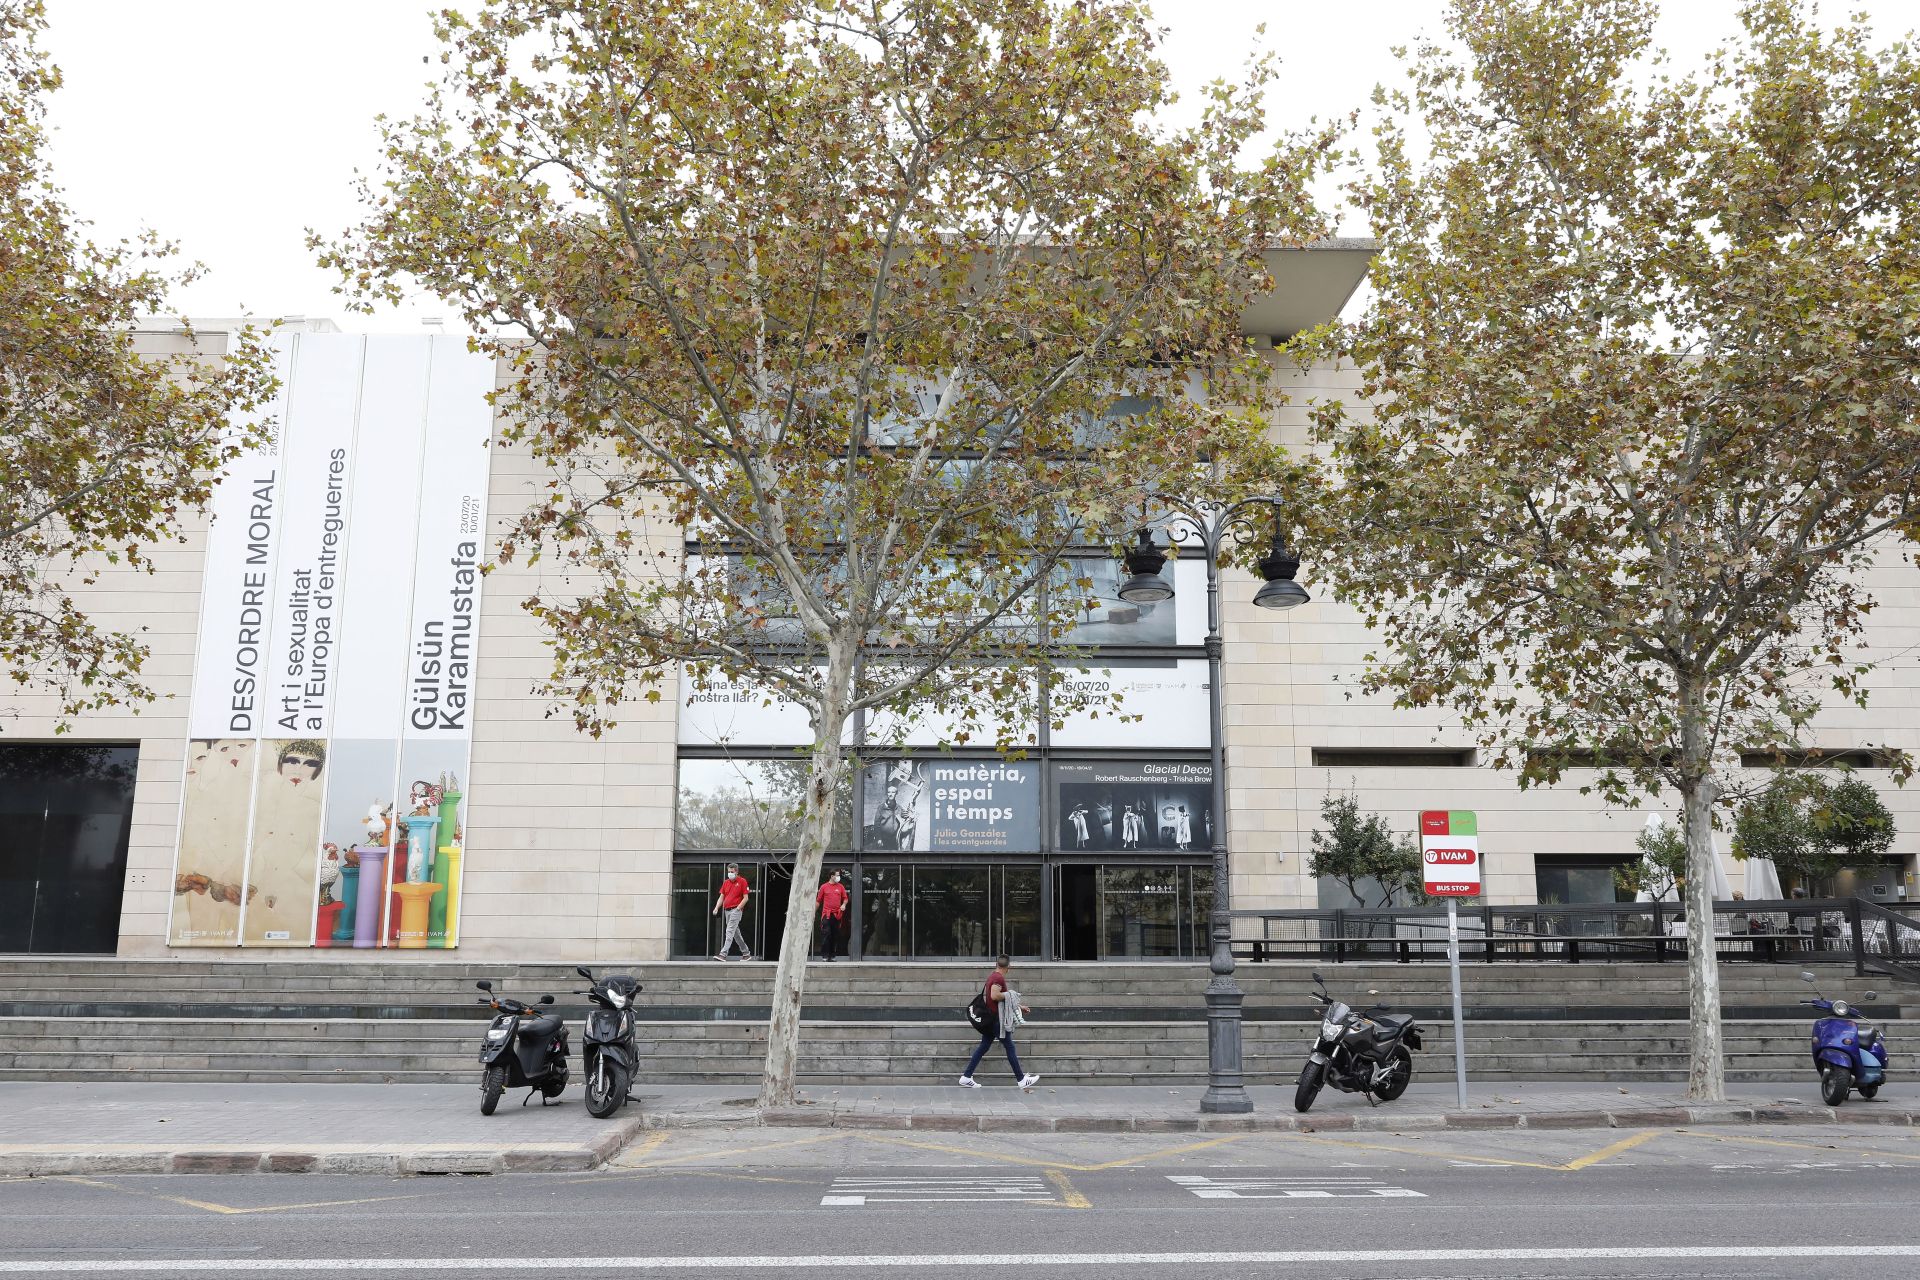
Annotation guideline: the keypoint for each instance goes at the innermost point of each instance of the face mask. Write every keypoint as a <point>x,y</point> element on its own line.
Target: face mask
<point>729,875</point>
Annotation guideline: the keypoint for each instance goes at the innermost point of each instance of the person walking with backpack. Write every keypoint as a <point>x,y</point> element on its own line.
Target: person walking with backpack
<point>995,1012</point>
<point>832,897</point>
<point>733,900</point>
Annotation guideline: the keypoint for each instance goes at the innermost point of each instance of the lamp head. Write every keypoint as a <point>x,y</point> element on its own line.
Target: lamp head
<point>1278,568</point>
<point>1144,584</point>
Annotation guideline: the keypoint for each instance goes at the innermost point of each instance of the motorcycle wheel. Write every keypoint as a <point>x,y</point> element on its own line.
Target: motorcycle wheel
<point>606,1091</point>
<point>1868,1090</point>
<point>556,1084</point>
<point>1398,1078</point>
<point>1312,1076</point>
<point>1835,1084</point>
<point>493,1082</point>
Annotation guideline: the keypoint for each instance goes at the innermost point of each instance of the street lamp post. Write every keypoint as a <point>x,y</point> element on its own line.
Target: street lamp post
<point>1210,525</point>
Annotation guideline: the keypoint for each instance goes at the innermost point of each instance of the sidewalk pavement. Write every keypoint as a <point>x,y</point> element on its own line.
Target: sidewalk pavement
<point>128,1127</point>
<point>105,1127</point>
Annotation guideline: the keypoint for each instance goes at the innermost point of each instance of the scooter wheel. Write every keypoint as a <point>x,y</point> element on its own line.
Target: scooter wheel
<point>1835,1084</point>
<point>493,1082</point>
<point>1312,1076</point>
<point>606,1091</point>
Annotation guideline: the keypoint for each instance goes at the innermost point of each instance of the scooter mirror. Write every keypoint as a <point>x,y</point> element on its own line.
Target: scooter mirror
<point>1806,976</point>
<point>484,986</point>
<point>584,972</point>
<point>1318,980</point>
<point>546,999</point>
<point>1870,996</point>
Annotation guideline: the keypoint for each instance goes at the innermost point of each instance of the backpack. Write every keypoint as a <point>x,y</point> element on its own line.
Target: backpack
<point>979,1016</point>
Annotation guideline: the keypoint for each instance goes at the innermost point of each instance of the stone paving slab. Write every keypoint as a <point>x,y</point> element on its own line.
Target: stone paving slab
<point>127,1127</point>
<point>1156,1109</point>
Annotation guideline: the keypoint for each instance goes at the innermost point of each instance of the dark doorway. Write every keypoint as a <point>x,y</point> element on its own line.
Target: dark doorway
<point>1079,914</point>
<point>65,816</point>
<point>777,891</point>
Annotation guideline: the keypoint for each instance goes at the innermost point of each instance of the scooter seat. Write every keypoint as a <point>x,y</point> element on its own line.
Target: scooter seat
<point>1391,1021</point>
<point>536,1028</point>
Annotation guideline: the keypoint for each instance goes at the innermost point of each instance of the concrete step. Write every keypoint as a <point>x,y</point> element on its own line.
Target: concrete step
<point>217,1050</point>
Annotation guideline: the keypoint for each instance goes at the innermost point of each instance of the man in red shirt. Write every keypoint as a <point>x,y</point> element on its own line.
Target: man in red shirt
<point>833,898</point>
<point>1003,1014</point>
<point>733,900</point>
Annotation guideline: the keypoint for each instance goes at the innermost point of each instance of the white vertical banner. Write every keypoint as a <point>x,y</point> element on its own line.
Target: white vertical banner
<point>229,700</point>
<point>364,756</point>
<point>443,638</point>
<point>302,670</point>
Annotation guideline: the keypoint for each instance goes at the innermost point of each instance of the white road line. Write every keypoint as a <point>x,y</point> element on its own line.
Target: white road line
<point>825,1261</point>
<point>857,1192</point>
<point>1256,1188</point>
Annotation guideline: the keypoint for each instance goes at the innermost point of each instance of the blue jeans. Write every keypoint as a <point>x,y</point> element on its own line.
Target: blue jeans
<point>1005,1038</point>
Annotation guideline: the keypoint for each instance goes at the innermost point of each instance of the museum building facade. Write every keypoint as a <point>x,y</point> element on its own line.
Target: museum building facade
<point>348,756</point>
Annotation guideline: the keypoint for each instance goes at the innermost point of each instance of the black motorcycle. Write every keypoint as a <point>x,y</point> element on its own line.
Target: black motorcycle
<point>608,1053</point>
<point>525,1048</point>
<point>1367,1053</point>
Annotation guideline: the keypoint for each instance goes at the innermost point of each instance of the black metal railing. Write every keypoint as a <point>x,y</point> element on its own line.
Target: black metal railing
<point>1870,937</point>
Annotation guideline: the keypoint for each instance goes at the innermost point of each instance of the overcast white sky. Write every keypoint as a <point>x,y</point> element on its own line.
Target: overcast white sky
<point>233,125</point>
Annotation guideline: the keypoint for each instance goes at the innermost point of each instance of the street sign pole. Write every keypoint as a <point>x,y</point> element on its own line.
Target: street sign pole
<point>1459,1022</point>
<point>1450,850</point>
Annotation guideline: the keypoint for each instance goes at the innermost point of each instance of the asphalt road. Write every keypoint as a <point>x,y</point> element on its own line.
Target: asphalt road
<point>1712,1202</point>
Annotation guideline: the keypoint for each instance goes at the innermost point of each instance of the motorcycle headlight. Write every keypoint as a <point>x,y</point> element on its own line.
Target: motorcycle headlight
<point>1840,1009</point>
<point>496,1033</point>
<point>1331,1029</point>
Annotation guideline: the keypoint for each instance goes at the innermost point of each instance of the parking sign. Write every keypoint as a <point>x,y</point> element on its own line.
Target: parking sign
<point>1450,853</point>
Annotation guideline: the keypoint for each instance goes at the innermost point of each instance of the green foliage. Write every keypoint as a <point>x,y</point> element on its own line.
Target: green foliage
<point>103,451</point>
<point>1662,867</point>
<point>1813,828</point>
<point>1360,849</point>
<point>1640,383</point>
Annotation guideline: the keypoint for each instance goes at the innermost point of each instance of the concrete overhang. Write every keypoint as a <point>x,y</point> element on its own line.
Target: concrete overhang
<point>1310,286</point>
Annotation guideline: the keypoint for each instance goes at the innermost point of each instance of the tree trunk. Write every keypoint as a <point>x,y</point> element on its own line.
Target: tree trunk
<point>816,834</point>
<point>1706,1073</point>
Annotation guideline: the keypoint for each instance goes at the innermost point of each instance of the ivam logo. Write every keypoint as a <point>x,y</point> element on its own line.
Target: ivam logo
<point>1452,857</point>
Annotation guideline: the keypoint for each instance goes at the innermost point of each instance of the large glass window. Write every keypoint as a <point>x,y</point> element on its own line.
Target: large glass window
<point>882,910</point>
<point>950,911</point>
<point>748,804</point>
<point>1140,911</point>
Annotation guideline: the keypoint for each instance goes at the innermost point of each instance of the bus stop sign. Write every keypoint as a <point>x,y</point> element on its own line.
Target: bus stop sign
<point>1450,853</point>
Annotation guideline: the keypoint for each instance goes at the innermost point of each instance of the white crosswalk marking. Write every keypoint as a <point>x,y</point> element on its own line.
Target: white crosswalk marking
<point>855,1192</point>
<point>1295,1188</point>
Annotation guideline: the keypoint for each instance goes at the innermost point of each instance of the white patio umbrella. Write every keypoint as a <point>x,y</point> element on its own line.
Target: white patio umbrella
<point>1722,887</point>
<point>1763,880</point>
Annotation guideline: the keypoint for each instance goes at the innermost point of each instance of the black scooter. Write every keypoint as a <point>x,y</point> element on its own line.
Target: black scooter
<point>525,1048</point>
<point>1367,1053</point>
<point>607,1052</point>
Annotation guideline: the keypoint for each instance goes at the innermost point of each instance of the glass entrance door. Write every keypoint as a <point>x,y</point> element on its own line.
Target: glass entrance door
<point>65,816</point>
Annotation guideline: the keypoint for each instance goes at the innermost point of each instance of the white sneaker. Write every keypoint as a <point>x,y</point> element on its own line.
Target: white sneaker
<point>968,1082</point>
<point>1027,1082</point>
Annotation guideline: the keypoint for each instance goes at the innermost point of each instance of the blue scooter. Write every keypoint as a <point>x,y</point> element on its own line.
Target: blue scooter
<point>1847,1053</point>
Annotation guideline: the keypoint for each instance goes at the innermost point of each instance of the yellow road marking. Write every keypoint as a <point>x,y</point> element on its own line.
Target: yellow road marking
<point>1435,1153</point>
<point>1040,1163</point>
<point>1611,1150</point>
<point>209,1206</point>
<point>1802,1146</point>
<point>1572,1166</point>
<point>731,1151</point>
<point>1070,1197</point>
<point>646,1148</point>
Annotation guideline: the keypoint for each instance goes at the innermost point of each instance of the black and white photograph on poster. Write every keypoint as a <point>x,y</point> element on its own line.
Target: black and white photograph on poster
<point>894,812</point>
<point>1125,806</point>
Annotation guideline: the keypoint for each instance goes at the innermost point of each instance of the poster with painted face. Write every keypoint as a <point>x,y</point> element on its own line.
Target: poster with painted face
<point>286,825</point>
<point>208,882</point>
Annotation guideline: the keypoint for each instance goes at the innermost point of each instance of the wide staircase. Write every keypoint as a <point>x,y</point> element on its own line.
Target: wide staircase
<point>418,1022</point>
